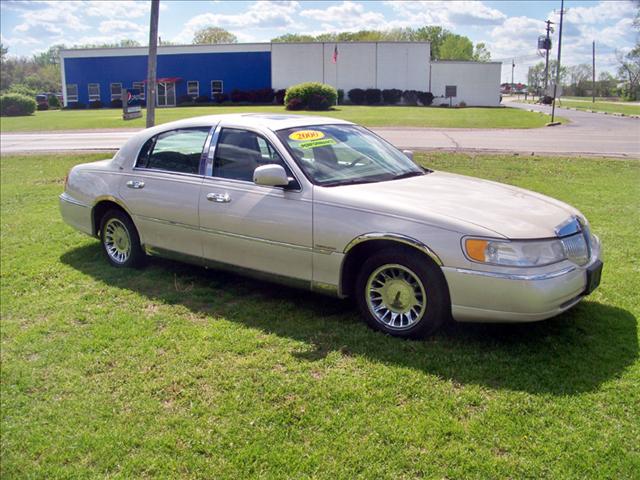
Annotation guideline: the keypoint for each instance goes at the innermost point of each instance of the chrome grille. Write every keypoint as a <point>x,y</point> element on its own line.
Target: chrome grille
<point>576,248</point>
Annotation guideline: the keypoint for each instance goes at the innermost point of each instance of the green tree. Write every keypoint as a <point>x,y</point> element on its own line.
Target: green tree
<point>456,47</point>
<point>629,70</point>
<point>432,34</point>
<point>535,77</point>
<point>481,53</point>
<point>293,38</point>
<point>210,35</point>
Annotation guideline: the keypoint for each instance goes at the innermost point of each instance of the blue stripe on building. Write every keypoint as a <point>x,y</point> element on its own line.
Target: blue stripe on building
<point>237,70</point>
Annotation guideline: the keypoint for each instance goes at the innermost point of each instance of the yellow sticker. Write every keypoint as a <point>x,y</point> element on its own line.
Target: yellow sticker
<point>306,135</point>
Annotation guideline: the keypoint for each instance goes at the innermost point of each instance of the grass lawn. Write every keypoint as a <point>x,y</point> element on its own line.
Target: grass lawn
<point>609,107</point>
<point>178,372</point>
<point>369,116</point>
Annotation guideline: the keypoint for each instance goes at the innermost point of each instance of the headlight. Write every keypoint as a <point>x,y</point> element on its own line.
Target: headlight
<point>518,253</point>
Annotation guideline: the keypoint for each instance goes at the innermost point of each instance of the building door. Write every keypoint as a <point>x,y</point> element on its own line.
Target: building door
<point>166,94</point>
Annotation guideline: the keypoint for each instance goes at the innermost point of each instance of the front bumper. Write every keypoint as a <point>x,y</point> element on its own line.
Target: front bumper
<point>483,296</point>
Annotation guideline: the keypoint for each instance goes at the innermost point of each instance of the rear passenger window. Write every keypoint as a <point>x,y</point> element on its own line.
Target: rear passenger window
<point>174,151</point>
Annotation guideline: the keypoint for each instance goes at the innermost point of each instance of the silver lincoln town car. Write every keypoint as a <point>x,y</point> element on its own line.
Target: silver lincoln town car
<point>327,205</point>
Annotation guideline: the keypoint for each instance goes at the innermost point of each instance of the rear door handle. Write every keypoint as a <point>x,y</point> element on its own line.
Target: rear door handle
<point>135,184</point>
<point>219,197</point>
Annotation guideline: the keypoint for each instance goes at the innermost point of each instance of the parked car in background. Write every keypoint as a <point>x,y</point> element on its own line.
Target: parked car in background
<point>327,205</point>
<point>42,101</point>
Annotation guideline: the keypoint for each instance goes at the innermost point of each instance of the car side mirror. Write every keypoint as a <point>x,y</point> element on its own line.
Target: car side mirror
<point>408,154</point>
<point>271,175</point>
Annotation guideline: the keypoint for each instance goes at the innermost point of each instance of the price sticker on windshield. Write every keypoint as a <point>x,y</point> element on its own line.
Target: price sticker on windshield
<point>306,135</point>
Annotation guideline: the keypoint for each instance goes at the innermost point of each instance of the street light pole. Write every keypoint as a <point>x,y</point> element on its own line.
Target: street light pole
<point>555,86</point>
<point>593,73</point>
<point>151,68</point>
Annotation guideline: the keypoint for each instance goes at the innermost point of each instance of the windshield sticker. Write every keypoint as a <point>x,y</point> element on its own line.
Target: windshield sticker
<point>306,135</point>
<point>317,143</point>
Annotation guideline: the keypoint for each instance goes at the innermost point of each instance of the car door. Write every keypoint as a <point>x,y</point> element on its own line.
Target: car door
<point>162,190</point>
<point>262,228</point>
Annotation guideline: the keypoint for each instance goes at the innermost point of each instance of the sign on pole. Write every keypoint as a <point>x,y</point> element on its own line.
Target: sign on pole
<point>131,104</point>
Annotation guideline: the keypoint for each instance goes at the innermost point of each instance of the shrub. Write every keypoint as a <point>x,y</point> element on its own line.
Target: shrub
<point>410,97</point>
<point>264,95</point>
<point>185,100</point>
<point>203,99</point>
<point>95,104</point>
<point>14,104</point>
<point>444,105</point>
<point>220,97</point>
<point>391,96</point>
<point>295,104</point>
<point>279,96</point>
<point>22,89</point>
<point>54,102</point>
<point>75,106</point>
<point>462,104</point>
<point>340,96</point>
<point>117,103</point>
<point>240,96</point>
<point>357,96</point>
<point>318,102</point>
<point>305,91</point>
<point>373,96</point>
<point>426,98</point>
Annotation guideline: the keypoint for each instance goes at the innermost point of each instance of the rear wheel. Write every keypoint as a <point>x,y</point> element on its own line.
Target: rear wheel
<point>402,294</point>
<point>120,240</point>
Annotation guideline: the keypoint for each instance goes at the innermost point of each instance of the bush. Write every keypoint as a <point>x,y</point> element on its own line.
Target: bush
<point>22,89</point>
<point>373,96</point>
<point>14,104</point>
<point>318,102</point>
<point>185,100</point>
<point>295,104</point>
<point>75,106</point>
<point>426,98</point>
<point>279,96</point>
<point>54,102</point>
<point>95,104</point>
<point>203,99</point>
<point>444,105</point>
<point>357,96</point>
<point>115,103</point>
<point>462,104</point>
<point>340,96</point>
<point>391,96</point>
<point>305,91</point>
<point>220,97</point>
<point>264,95</point>
<point>410,97</point>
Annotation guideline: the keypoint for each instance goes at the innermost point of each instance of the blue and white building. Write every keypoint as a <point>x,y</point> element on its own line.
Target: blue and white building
<point>204,70</point>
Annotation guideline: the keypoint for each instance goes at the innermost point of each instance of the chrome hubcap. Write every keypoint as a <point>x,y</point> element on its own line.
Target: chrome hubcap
<point>396,296</point>
<point>117,241</point>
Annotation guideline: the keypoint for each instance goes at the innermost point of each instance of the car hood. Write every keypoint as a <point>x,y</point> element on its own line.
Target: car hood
<point>466,204</point>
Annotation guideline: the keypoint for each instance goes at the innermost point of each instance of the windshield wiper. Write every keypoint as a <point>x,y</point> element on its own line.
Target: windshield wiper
<point>355,181</point>
<point>407,175</point>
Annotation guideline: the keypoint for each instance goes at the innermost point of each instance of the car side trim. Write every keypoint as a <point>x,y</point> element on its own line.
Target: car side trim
<point>69,199</point>
<point>395,237</point>
<point>518,276</point>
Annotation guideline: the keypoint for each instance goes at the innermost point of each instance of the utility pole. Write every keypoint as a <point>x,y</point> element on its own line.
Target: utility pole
<point>513,66</point>
<point>593,73</point>
<point>547,48</point>
<point>555,86</point>
<point>151,68</point>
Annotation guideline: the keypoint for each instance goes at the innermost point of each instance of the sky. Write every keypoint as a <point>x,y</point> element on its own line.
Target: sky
<point>509,28</point>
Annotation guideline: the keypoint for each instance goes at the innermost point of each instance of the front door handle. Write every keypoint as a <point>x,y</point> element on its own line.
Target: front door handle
<point>219,197</point>
<point>135,184</point>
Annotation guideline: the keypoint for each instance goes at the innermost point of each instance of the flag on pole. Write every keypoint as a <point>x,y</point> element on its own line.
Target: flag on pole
<point>334,58</point>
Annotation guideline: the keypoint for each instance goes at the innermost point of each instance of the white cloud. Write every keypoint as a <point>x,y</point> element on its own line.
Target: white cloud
<point>447,14</point>
<point>346,16</point>
<point>124,26</point>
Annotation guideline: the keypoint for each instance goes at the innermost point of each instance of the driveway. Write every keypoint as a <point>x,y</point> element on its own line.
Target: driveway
<point>587,134</point>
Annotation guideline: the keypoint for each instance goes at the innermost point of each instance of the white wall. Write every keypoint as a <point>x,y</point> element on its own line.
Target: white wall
<point>478,83</point>
<point>360,65</point>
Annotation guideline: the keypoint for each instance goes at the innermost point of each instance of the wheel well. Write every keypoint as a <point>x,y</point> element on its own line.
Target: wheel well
<point>100,209</point>
<point>359,254</point>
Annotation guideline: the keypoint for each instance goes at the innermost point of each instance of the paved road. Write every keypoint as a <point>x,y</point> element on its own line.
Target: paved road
<point>587,134</point>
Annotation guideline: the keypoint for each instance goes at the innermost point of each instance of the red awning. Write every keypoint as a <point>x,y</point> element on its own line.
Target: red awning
<point>166,80</point>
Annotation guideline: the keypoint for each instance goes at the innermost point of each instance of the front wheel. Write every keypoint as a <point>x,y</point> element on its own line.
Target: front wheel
<point>120,240</point>
<point>402,294</point>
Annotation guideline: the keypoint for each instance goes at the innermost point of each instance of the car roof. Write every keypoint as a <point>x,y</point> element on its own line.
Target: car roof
<point>270,121</point>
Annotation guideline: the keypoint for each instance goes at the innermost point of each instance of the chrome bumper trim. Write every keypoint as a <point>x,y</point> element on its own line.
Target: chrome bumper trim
<point>65,197</point>
<point>517,276</point>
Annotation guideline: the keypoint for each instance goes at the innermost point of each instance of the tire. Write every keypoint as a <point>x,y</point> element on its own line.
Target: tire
<point>120,240</point>
<point>402,293</point>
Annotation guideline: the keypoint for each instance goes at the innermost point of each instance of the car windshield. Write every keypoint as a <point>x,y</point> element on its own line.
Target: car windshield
<point>333,155</point>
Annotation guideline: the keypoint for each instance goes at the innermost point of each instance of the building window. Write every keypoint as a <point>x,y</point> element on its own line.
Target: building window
<point>72,92</point>
<point>193,88</point>
<point>140,87</point>
<point>94,92</point>
<point>216,87</point>
<point>116,91</point>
